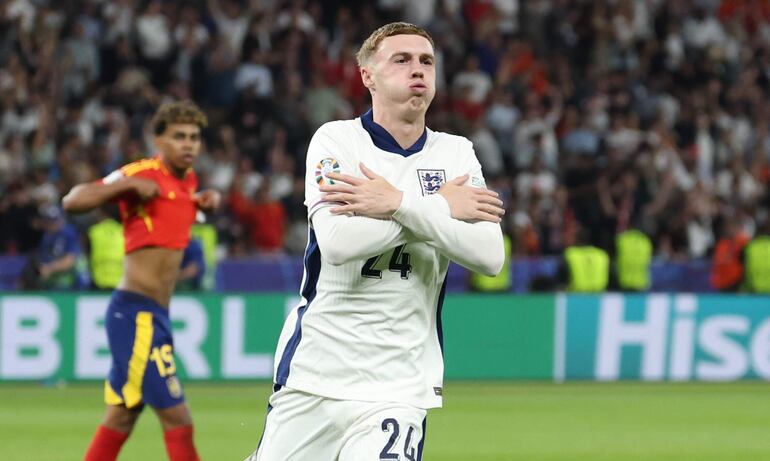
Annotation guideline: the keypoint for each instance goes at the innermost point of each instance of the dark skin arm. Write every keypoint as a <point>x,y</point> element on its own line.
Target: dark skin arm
<point>87,196</point>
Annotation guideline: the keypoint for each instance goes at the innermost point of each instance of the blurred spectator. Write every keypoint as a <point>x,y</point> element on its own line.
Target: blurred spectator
<point>502,116</point>
<point>119,18</point>
<point>486,147</point>
<point>534,135</point>
<point>220,67</point>
<point>19,233</point>
<point>13,161</point>
<point>535,182</point>
<point>757,261</point>
<point>190,37</point>
<point>736,184</point>
<point>727,265</point>
<point>42,191</point>
<point>295,17</point>
<point>586,268</point>
<point>55,265</point>
<point>633,255</point>
<point>254,76</point>
<point>193,267</point>
<point>258,36</point>
<point>281,166</point>
<point>106,251</point>
<point>579,135</point>
<point>296,216</point>
<point>155,42</point>
<point>702,29</point>
<point>22,11</point>
<point>263,217</point>
<point>232,22</point>
<point>324,102</point>
<point>473,80</point>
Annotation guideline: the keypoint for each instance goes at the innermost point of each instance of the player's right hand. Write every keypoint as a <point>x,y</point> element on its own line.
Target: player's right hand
<point>372,196</point>
<point>144,188</point>
<point>471,204</point>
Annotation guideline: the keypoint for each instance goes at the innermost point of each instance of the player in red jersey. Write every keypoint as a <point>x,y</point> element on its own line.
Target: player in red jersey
<point>158,205</point>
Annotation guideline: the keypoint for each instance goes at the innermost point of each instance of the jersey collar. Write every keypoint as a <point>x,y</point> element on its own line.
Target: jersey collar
<point>162,165</point>
<point>385,141</point>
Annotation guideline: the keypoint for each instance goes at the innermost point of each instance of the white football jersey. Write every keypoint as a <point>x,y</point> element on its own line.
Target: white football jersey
<point>370,329</point>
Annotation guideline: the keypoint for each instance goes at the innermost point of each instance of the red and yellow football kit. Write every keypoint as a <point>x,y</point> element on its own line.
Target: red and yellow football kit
<point>138,329</point>
<point>164,221</point>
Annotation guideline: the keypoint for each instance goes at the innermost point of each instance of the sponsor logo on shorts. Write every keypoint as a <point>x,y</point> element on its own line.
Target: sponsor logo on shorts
<point>174,387</point>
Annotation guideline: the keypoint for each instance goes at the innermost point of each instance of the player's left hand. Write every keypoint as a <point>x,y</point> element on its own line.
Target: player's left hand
<point>471,204</point>
<point>208,199</point>
<point>372,196</point>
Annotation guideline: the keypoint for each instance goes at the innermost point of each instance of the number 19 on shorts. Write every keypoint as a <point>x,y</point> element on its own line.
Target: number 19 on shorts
<point>163,357</point>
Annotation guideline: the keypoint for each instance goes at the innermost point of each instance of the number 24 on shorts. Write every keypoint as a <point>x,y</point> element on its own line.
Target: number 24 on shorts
<point>391,425</point>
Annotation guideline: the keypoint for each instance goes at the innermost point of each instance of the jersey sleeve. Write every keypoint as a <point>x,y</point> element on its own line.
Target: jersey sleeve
<point>477,246</point>
<point>113,177</point>
<point>476,176</point>
<point>141,168</point>
<point>325,154</point>
<point>342,238</point>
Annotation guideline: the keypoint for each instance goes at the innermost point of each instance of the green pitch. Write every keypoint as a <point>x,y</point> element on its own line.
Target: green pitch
<point>480,422</point>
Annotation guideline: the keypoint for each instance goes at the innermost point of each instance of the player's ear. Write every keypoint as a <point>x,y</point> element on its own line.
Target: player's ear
<point>366,77</point>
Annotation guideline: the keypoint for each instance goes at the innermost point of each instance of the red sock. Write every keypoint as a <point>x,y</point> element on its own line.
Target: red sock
<point>179,444</point>
<point>105,445</point>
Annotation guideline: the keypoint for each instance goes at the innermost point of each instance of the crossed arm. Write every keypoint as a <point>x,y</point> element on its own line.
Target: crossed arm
<point>460,221</point>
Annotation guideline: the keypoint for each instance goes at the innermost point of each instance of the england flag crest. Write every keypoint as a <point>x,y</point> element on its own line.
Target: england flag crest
<point>431,180</point>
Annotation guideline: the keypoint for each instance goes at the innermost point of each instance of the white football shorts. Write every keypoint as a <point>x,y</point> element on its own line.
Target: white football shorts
<point>306,427</point>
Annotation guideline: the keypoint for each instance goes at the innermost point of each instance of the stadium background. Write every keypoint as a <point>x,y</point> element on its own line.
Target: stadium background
<point>594,115</point>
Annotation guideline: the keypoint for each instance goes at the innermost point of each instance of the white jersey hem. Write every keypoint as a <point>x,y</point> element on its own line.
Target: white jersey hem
<point>362,397</point>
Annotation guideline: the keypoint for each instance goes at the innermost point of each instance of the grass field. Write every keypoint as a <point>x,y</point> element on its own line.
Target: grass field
<point>480,422</point>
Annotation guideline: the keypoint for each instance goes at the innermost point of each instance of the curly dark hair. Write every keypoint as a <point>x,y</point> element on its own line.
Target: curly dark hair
<point>177,112</point>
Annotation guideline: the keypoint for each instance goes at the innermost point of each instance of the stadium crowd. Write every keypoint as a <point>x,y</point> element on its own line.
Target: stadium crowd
<point>603,115</point>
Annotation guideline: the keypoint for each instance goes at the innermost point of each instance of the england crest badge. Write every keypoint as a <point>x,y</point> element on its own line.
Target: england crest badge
<point>431,180</point>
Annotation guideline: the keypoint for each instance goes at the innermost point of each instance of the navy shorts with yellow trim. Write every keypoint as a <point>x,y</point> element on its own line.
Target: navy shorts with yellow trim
<point>143,367</point>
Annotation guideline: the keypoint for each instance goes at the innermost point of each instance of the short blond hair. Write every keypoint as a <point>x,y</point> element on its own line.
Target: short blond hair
<point>178,112</point>
<point>369,47</point>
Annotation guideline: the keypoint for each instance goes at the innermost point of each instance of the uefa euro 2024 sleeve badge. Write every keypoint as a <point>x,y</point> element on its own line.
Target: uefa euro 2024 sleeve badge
<point>323,168</point>
<point>431,180</point>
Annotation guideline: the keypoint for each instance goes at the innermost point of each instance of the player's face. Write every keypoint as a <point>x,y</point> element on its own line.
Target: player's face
<point>179,145</point>
<point>403,72</point>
